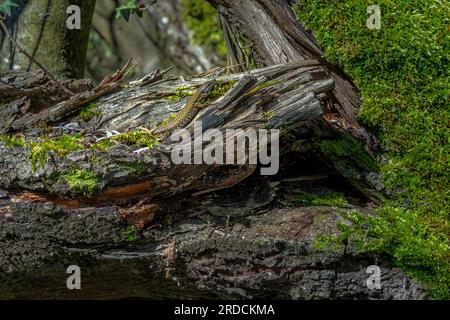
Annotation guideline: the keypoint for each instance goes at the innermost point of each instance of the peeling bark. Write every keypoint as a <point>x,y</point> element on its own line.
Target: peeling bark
<point>275,36</point>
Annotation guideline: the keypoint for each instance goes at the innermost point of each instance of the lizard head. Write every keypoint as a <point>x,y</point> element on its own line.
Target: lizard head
<point>206,90</point>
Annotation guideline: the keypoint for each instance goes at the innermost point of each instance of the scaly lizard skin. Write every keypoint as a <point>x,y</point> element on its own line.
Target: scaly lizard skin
<point>188,113</point>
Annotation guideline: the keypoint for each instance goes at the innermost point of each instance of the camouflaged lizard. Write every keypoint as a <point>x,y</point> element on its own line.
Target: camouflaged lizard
<point>187,114</point>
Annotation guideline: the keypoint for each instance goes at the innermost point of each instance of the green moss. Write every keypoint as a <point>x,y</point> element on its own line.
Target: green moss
<point>130,234</point>
<point>62,146</point>
<point>220,89</point>
<point>181,93</point>
<point>323,199</point>
<point>328,244</point>
<point>347,153</point>
<point>82,182</point>
<point>135,167</point>
<point>102,145</point>
<point>137,138</point>
<point>201,19</point>
<point>88,113</point>
<point>12,141</point>
<point>402,71</point>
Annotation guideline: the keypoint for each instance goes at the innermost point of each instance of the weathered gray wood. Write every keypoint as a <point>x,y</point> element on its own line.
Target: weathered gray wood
<point>275,36</point>
<point>294,95</point>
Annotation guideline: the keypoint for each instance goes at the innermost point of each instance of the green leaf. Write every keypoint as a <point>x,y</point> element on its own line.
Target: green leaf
<point>125,11</point>
<point>5,6</point>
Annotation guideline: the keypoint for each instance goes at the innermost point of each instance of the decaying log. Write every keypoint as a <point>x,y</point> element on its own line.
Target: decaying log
<point>217,231</point>
<point>290,97</point>
<point>274,36</point>
<point>265,255</point>
<point>38,88</point>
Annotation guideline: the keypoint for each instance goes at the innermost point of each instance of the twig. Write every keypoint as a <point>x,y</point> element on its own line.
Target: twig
<point>150,4</point>
<point>32,59</point>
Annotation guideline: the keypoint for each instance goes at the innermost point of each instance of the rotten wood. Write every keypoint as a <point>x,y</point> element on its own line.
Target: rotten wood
<point>216,231</point>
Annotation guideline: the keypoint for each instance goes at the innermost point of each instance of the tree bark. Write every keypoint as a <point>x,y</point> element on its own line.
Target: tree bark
<point>265,255</point>
<point>40,27</point>
<point>273,35</point>
<point>291,97</point>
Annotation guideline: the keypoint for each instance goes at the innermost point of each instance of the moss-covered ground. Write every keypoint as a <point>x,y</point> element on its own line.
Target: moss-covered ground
<point>402,71</point>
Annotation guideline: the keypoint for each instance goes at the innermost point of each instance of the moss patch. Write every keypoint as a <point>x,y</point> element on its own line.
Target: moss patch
<point>181,93</point>
<point>89,112</point>
<point>130,234</point>
<point>402,71</point>
<point>62,146</point>
<point>137,138</point>
<point>12,141</point>
<point>102,145</point>
<point>82,182</point>
<point>346,152</point>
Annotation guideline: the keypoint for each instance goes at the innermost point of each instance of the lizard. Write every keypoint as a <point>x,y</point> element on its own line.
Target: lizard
<point>187,114</point>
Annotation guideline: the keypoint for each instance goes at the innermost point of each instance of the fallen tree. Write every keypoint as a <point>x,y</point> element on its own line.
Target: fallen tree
<point>76,177</point>
<point>89,180</point>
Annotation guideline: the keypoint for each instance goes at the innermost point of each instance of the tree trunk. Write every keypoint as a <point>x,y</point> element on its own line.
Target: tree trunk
<point>40,27</point>
<point>273,35</point>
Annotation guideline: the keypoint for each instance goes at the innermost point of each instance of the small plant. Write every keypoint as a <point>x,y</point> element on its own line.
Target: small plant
<point>130,234</point>
<point>12,141</point>
<point>89,112</point>
<point>62,146</point>
<point>125,11</point>
<point>82,182</point>
<point>6,6</point>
